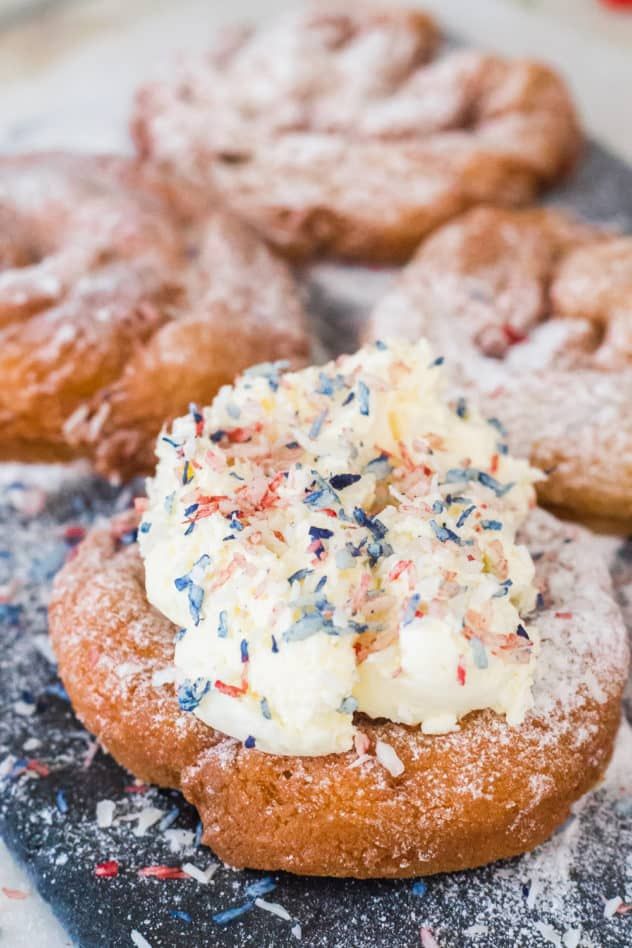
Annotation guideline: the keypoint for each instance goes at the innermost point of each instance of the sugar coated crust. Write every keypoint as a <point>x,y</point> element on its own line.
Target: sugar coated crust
<point>484,792</point>
<point>339,130</point>
<point>124,295</point>
<point>531,309</point>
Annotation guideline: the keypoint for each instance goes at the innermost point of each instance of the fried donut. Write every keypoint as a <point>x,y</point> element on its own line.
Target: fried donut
<point>534,309</point>
<point>337,131</point>
<point>123,297</point>
<point>484,792</point>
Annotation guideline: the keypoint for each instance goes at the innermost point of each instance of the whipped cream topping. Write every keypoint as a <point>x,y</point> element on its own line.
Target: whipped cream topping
<point>340,540</point>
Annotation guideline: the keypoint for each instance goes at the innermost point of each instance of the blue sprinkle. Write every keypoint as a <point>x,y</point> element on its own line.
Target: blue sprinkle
<point>222,625</point>
<point>349,398</point>
<point>60,800</point>
<point>438,506</point>
<point>299,575</point>
<point>420,887</point>
<point>411,609</point>
<point>169,819</point>
<point>380,345</point>
<point>189,530</point>
<point>323,496</point>
<point>185,473</point>
<point>522,632</point>
<point>180,634</point>
<point>190,693</point>
<point>249,742</point>
<point>217,436</point>
<point>444,533</point>
<point>340,481</point>
<point>180,916</point>
<point>265,709</point>
<point>168,503</point>
<point>196,598</point>
<point>376,549</point>
<point>376,527</point>
<point>327,384</point>
<point>461,407</point>
<point>145,527</point>
<point>10,613</point>
<point>229,915</point>
<point>464,515</point>
<point>363,397</point>
<point>498,425</point>
<point>174,444</point>
<point>243,648</point>
<point>190,509</point>
<point>309,624</point>
<point>199,829</point>
<point>379,467</point>
<point>275,647</point>
<point>292,444</point>
<point>261,887</point>
<point>502,448</point>
<point>58,691</point>
<point>317,424</point>
<point>357,628</point>
<point>438,361</point>
<point>491,525</point>
<point>320,533</point>
<point>321,582</point>
<point>539,601</point>
<point>479,653</point>
<point>488,481</point>
<point>234,522</point>
<point>504,589</point>
<point>348,705</point>
<point>126,539</point>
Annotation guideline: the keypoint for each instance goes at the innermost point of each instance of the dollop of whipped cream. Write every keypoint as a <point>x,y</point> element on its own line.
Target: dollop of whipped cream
<point>338,540</point>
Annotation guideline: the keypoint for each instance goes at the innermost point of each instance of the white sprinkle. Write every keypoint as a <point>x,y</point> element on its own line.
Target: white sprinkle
<point>138,939</point>
<point>297,931</point>
<point>43,646</point>
<point>179,839</point>
<point>274,909</point>
<point>571,937</point>
<point>611,906</point>
<point>105,813</point>
<point>359,761</point>
<point>203,876</point>
<point>146,818</point>
<point>164,676</point>
<point>388,758</point>
<point>549,934</point>
<point>62,859</point>
<point>474,930</point>
<point>534,891</point>
<point>32,744</point>
<point>25,708</point>
<point>6,765</point>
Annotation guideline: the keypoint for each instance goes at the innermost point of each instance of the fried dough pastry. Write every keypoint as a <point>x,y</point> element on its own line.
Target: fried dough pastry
<point>483,792</point>
<point>533,311</point>
<point>338,131</point>
<point>123,297</point>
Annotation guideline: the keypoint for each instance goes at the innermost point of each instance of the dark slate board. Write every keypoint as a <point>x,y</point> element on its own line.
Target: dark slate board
<point>523,903</point>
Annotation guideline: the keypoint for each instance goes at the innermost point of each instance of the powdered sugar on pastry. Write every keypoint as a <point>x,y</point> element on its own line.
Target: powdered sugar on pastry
<point>342,539</point>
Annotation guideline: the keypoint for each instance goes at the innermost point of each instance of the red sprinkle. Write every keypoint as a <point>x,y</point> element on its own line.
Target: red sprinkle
<point>329,512</point>
<point>231,690</point>
<point>14,893</point>
<point>136,788</point>
<point>42,770</point>
<point>107,870</point>
<point>563,615</point>
<point>513,336</point>
<point>460,672</point>
<point>73,534</point>
<point>162,872</point>
<point>399,568</point>
<point>493,467</point>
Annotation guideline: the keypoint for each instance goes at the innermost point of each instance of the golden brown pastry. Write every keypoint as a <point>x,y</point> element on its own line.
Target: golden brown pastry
<point>123,297</point>
<point>533,311</point>
<point>338,130</point>
<point>484,792</point>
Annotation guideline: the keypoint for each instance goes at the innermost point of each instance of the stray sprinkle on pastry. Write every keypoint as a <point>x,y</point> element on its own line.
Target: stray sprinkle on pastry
<point>342,540</point>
